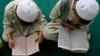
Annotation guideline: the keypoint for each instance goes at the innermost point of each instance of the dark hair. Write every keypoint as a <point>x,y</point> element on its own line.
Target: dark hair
<point>24,23</point>
<point>84,22</point>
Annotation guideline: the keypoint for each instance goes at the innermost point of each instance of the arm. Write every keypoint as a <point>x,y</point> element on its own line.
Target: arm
<point>10,40</point>
<point>55,13</point>
<point>39,26</point>
<point>70,26</point>
<point>39,37</point>
<point>8,25</point>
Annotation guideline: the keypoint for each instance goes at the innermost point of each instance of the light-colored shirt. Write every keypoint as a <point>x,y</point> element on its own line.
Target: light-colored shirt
<point>51,30</point>
<point>55,15</point>
<point>10,25</point>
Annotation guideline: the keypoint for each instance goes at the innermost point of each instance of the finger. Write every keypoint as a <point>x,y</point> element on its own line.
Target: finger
<point>10,46</point>
<point>39,40</point>
<point>13,45</point>
<point>36,40</point>
<point>63,24</point>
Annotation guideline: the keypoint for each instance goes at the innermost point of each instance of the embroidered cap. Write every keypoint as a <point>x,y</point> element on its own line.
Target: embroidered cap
<point>87,9</point>
<point>27,10</point>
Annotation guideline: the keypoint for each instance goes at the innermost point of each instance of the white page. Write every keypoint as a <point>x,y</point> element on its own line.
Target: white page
<point>80,42</point>
<point>20,46</point>
<point>32,46</point>
<point>64,39</point>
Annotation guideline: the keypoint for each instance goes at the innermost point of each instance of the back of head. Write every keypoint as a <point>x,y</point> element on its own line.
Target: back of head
<point>27,10</point>
<point>87,9</point>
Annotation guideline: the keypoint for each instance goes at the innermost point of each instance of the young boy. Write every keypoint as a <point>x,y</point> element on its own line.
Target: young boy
<point>72,14</point>
<point>21,19</point>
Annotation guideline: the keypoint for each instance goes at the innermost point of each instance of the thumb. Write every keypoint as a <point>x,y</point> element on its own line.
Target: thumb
<point>36,40</point>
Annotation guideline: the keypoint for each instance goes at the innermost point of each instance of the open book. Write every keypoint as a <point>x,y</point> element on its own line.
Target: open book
<point>25,46</point>
<point>74,41</point>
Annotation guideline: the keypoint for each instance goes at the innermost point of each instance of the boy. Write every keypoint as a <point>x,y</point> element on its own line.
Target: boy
<point>72,14</point>
<point>22,18</point>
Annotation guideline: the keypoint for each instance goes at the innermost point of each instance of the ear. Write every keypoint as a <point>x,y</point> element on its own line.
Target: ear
<point>15,11</point>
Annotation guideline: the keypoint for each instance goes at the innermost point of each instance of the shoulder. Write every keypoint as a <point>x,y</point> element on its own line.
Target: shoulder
<point>10,7</point>
<point>61,3</point>
<point>57,5</point>
<point>65,2</point>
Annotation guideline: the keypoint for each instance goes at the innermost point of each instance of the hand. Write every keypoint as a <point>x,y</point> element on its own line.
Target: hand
<point>70,26</point>
<point>73,27</point>
<point>11,43</point>
<point>63,24</point>
<point>39,39</point>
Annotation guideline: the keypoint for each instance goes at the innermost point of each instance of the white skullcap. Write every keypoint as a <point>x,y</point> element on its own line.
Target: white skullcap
<point>27,10</point>
<point>87,9</point>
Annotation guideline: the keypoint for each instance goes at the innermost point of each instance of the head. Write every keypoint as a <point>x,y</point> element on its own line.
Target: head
<point>83,12</point>
<point>26,12</point>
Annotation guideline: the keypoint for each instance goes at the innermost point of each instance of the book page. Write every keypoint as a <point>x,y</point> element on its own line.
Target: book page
<point>80,41</point>
<point>20,46</point>
<point>64,39</point>
<point>32,46</point>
